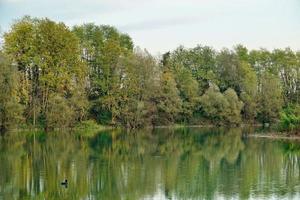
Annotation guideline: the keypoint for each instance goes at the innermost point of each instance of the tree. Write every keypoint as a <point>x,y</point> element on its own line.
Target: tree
<point>290,118</point>
<point>49,61</point>
<point>95,69</point>
<point>139,88</point>
<point>188,92</point>
<point>168,101</point>
<point>249,93</point>
<point>55,117</point>
<point>102,48</point>
<point>233,112</point>
<point>221,108</point>
<point>19,46</point>
<point>228,70</point>
<point>200,61</point>
<point>10,108</point>
<point>236,72</point>
<point>213,104</point>
<point>270,98</point>
<point>285,63</point>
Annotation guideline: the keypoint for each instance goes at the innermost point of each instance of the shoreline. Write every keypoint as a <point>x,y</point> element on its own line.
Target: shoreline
<point>87,131</point>
<point>274,136</point>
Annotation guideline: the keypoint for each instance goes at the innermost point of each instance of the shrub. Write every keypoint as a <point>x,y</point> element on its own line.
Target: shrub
<point>290,118</point>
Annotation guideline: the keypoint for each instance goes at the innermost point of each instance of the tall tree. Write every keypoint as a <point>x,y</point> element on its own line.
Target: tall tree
<point>236,72</point>
<point>233,112</point>
<point>270,98</point>
<point>102,47</point>
<point>221,108</point>
<point>168,101</point>
<point>10,108</point>
<point>214,104</point>
<point>188,90</point>
<point>49,60</point>
<point>285,64</point>
<point>140,86</point>
<point>200,61</point>
<point>248,89</point>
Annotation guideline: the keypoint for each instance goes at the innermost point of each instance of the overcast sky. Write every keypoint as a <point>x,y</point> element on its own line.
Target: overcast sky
<point>162,25</point>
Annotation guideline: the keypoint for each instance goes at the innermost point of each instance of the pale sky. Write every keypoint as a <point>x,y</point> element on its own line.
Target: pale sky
<point>162,25</point>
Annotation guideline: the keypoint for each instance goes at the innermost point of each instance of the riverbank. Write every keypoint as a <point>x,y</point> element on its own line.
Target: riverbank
<point>89,128</point>
<point>85,128</point>
<point>275,136</point>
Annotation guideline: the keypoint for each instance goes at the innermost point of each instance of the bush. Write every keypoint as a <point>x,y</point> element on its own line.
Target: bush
<point>222,108</point>
<point>60,114</point>
<point>290,118</point>
<point>88,128</point>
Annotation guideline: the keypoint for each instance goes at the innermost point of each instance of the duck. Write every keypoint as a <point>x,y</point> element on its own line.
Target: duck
<point>64,182</point>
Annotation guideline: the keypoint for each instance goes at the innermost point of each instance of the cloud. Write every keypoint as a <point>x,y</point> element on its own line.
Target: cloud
<point>162,24</point>
<point>12,1</point>
<point>159,23</point>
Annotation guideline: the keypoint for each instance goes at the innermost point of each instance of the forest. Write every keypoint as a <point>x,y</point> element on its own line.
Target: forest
<point>55,76</point>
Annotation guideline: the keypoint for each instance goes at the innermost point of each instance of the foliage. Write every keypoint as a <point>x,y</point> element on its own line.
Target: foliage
<point>290,118</point>
<point>47,57</point>
<point>222,108</point>
<point>102,47</point>
<point>88,128</point>
<point>169,102</point>
<point>270,98</point>
<point>200,61</point>
<point>139,89</point>
<point>55,117</point>
<point>233,111</point>
<point>94,72</point>
<point>249,92</point>
<point>10,108</point>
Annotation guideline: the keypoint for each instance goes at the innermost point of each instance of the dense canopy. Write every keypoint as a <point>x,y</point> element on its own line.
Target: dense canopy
<point>53,76</point>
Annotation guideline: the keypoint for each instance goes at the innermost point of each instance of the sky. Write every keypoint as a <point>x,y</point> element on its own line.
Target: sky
<point>163,25</point>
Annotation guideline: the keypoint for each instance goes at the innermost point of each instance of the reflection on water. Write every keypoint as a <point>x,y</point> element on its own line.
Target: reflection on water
<point>161,164</point>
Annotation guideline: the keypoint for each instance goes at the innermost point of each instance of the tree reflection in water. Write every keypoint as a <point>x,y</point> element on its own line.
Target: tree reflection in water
<point>170,163</point>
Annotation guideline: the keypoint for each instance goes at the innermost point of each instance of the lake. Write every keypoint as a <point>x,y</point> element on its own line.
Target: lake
<point>185,163</point>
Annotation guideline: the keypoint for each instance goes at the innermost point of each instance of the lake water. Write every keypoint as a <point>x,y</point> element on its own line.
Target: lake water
<point>161,164</point>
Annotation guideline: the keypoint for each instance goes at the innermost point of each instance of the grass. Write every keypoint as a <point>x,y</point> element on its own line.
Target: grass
<point>89,128</point>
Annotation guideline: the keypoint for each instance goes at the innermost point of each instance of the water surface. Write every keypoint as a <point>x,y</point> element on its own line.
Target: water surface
<point>161,164</point>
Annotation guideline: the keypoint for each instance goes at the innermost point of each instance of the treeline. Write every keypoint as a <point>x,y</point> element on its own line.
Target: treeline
<point>55,76</point>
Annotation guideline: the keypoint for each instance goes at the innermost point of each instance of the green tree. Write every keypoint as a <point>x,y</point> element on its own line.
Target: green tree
<point>221,108</point>
<point>200,61</point>
<point>10,108</point>
<point>168,100</point>
<point>228,70</point>
<point>139,87</point>
<point>233,114</point>
<point>290,118</point>
<point>236,72</point>
<point>270,98</point>
<point>188,91</point>
<point>213,104</point>
<point>102,47</point>
<point>48,60</point>
<point>59,114</point>
<point>286,64</point>
<point>19,45</point>
<point>249,92</point>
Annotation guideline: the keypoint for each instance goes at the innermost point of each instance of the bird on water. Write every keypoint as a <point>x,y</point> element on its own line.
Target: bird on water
<point>65,183</point>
